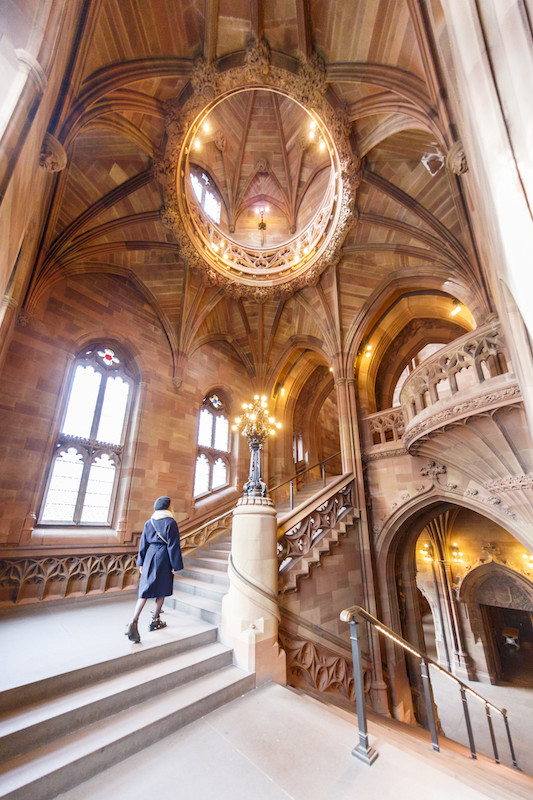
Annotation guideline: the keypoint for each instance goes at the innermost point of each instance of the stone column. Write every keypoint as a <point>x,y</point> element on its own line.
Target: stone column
<point>250,612</point>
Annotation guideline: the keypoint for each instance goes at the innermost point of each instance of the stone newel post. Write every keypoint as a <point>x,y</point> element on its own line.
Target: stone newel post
<point>250,613</point>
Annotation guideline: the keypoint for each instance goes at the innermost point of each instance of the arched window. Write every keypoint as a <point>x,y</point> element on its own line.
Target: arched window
<point>213,461</point>
<point>83,475</point>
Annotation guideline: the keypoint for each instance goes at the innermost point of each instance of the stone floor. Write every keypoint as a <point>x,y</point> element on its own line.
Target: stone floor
<point>270,744</point>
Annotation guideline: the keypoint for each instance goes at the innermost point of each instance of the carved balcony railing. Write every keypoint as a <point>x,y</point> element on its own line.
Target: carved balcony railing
<point>384,427</point>
<point>462,366</point>
<point>313,531</point>
<point>451,376</point>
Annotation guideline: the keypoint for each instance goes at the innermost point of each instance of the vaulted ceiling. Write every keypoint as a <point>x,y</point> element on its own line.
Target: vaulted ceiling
<point>410,227</point>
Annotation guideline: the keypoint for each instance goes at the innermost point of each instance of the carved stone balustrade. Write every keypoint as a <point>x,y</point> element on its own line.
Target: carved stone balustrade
<point>464,365</point>
<point>469,377</point>
<point>384,427</point>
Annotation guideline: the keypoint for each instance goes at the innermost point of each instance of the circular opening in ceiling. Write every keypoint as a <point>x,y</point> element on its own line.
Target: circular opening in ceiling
<point>259,169</point>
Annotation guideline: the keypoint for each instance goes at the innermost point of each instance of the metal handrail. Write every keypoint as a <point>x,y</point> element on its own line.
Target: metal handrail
<point>299,475</point>
<point>362,749</point>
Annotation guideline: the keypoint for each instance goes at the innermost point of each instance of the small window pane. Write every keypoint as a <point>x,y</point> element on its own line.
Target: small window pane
<point>99,490</point>
<point>219,474</point>
<point>111,423</point>
<point>197,186</point>
<point>221,434</point>
<point>64,486</point>
<point>201,476</point>
<point>212,207</point>
<point>82,402</point>
<point>205,428</point>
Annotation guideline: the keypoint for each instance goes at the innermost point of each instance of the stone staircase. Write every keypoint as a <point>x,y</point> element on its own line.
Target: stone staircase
<point>59,731</point>
<point>200,587</point>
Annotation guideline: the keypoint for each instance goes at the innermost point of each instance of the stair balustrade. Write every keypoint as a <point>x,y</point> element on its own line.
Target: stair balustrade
<point>303,540</point>
<point>296,480</point>
<point>366,753</point>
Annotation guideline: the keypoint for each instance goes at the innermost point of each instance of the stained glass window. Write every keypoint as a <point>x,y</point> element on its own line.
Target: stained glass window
<point>83,472</point>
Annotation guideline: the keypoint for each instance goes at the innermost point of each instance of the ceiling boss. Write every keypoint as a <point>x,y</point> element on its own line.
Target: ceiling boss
<point>254,137</point>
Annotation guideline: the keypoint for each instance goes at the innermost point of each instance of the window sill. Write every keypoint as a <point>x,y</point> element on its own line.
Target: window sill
<point>73,534</point>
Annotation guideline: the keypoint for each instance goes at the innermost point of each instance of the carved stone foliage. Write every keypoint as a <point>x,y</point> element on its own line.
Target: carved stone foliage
<point>456,159</point>
<point>241,271</point>
<point>53,157</point>
<point>310,666</point>
<point>32,580</point>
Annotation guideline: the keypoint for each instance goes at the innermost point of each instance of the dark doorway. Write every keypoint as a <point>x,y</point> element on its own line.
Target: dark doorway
<point>512,643</point>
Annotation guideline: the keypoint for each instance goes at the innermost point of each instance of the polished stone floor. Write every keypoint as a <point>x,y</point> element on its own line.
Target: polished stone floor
<point>270,744</point>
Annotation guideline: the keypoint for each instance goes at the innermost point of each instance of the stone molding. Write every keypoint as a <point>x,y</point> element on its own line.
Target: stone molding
<point>308,88</point>
<point>458,411</point>
<point>33,69</point>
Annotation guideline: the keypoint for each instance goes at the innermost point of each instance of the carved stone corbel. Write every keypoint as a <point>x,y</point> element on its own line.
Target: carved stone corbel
<point>53,156</point>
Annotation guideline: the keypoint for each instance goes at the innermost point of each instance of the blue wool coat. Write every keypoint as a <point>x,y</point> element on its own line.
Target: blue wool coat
<point>158,557</point>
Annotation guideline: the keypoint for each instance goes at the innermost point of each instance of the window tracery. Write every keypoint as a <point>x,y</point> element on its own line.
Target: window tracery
<point>212,470</point>
<point>85,467</point>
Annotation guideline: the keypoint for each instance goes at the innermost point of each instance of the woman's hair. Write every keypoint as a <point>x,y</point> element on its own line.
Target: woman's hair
<point>162,503</point>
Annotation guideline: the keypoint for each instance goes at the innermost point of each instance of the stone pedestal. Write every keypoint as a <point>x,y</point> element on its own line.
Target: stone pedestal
<point>250,613</point>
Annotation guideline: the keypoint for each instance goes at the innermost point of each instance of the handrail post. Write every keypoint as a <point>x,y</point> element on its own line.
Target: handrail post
<point>291,494</point>
<point>323,471</point>
<point>362,750</point>
<point>468,723</point>
<point>428,694</point>
<point>507,728</point>
<point>492,737</point>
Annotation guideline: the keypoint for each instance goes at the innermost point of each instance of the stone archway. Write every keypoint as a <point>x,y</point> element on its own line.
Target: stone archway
<point>499,604</point>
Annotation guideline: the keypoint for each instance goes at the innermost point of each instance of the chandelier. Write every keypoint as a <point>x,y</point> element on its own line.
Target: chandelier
<point>256,424</point>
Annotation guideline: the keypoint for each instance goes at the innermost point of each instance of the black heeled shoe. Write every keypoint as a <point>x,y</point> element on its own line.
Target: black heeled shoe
<point>132,632</point>
<point>156,624</point>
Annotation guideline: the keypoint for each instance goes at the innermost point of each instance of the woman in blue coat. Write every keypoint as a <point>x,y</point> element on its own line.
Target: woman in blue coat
<point>158,560</point>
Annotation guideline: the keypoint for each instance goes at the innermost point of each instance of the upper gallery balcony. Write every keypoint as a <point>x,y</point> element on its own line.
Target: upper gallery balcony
<point>469,376</point>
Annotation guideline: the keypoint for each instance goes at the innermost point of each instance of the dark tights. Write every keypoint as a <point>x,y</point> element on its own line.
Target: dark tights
<point>141,602</point>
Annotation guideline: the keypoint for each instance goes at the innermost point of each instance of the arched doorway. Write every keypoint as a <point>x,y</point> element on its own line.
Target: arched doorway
<point>499,602</point>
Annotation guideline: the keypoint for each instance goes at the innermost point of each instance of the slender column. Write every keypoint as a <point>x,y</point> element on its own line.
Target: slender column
<point>346,387</point>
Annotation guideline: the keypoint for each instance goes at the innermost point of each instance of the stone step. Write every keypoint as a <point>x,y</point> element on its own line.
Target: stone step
<point>212,552</point>
<point>199,607</point>
<point>57,766</point>
<point>203,574</point>
<point>201,588</point>
<point>48,688</point>
<point>206,563</point>
<point>22,730</point>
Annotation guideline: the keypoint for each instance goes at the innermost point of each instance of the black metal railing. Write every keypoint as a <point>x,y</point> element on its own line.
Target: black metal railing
<point>366,753</point>
<point>298,475</point>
